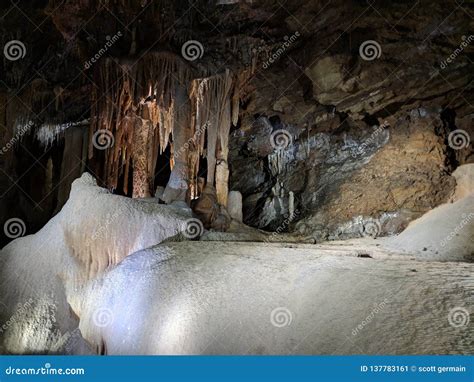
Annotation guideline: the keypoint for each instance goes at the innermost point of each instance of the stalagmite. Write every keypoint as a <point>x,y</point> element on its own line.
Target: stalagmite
<point>291,205</point>
<point>207,208</point>
<point>234,205</point>
<point>222,171</point>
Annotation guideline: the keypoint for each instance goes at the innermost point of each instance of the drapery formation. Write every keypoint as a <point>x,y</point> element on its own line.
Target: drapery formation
<point>148,104</point>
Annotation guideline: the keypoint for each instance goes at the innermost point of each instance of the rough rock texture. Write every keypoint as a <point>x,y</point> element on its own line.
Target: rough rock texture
<point>403,180</point>
<point>322,85</point>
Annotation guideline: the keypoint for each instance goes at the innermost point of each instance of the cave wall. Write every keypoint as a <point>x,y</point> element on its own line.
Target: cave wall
<point>345,107</point>
<point>365,132</point>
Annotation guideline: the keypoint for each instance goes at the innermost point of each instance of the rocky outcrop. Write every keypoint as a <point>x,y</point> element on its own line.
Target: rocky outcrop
<point>375,121</point>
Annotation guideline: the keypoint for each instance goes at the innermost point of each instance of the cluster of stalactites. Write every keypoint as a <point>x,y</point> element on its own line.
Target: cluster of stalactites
<point>215,107</point>
<point>154,102</point>
<point>135,102</point>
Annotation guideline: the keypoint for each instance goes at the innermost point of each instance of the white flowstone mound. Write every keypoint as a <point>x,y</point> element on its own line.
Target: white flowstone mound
<point>445,233</point>
<point>464,181</point>
<point>94,230</point>
<point>260,298</point>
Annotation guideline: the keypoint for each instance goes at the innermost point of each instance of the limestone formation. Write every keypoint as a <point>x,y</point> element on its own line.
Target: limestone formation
<point>234,205</point>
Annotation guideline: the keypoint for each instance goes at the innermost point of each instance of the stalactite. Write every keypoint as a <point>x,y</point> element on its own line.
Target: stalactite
<point>212,108</point>
<point>141,181</point>
<point>178,185</point>
<point>175,110</point>
<point>48,133</point>
<point>126,89</point>
<point>222,171</point>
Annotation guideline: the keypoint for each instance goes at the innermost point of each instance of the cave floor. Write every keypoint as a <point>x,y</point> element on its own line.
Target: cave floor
<point>285,298</point>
